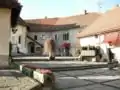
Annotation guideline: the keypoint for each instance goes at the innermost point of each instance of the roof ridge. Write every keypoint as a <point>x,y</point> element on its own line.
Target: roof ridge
<point>65,16</point>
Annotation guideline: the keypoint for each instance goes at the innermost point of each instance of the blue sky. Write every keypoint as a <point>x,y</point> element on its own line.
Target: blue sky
<point>59,8</point>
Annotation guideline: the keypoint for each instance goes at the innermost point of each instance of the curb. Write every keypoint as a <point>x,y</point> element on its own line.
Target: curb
<point>44,76</point>
<point>71,68</point>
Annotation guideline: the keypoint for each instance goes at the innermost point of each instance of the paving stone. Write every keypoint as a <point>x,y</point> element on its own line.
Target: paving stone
<point>78,88</point>
<point>100,87</point>
<point>76,73</point>
<point>99,78</point>
<point>105,71</point>
<point>57,75</point>
<point>67,82</point>
<point>98,70</point>
<point>115,83</point>
<point>112,73</point>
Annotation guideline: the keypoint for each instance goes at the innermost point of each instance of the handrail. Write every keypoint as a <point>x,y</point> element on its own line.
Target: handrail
<point>34,41</point>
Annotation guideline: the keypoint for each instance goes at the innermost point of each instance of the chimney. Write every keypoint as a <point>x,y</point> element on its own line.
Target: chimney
<point>117,5</point>
<point>85,12</point>
<point>45,17</point>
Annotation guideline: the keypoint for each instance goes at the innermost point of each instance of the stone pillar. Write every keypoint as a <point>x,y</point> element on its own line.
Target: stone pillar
<point>5,28</point>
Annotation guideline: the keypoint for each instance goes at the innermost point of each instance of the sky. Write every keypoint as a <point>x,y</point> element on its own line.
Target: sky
<point>33,9</point>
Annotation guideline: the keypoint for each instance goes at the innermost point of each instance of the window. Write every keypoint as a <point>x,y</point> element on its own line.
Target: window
<point>38,48</point>
<point>42,36</point>
<point>56,37</point>
<point>35,37</point>
<point>63,36</point>
<point>19,39</point>
<point>66,36</point>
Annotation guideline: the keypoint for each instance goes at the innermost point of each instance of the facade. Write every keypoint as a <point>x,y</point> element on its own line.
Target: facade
<point>104,32</point>
<point>62,30</point>
<point>19,38</point>
<point>9,12</point>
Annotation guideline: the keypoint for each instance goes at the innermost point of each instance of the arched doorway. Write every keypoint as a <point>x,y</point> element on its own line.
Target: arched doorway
<point>31,47</point>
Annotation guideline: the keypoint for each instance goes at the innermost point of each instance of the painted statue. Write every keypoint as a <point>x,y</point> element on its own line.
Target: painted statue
<point>49,48</point>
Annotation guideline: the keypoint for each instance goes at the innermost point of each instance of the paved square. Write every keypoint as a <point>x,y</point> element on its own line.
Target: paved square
<point>99,87</point>
<point>93,87</point>
<point>77,73</point>
<point>93,79</point>
<point>69,82</point>
<point>57,75</point>
<point>115,83</point>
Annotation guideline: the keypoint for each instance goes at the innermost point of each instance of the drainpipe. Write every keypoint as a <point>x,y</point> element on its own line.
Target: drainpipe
<point>10,53</point>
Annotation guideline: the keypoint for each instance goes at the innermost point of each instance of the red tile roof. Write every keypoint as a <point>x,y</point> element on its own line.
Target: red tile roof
<point>108,22</point>
<point>81,20</point>
<point>49,21</point>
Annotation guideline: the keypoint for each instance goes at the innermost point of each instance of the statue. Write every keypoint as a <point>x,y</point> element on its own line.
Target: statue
<point>49,48</point>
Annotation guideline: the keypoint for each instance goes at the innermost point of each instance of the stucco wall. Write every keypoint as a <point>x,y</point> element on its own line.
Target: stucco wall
<point>4,35</point>
<point>91,40</point>
<point>21,31</point>
<point>116,50</point>
<point>41,36</point>
<point>99,41</point>
<point>59,41</point>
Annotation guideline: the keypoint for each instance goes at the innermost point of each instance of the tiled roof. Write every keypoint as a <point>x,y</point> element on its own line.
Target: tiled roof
<point>79,20</point>
<point>48,28</point>
<point>83,19</point>
<point>108,22</point>
<point>49,21</point>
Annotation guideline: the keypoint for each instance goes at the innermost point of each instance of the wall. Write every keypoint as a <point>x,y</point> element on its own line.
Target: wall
<point>99,42</point>
<point>41,37</point>
<point>21,31</point>
<point>72,39</point>
<point>116,50</point>
<point>4,36</point>
<point>59,41</point>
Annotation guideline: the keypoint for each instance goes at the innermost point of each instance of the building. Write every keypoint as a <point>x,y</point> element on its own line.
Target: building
<point>104,32</point>
<point>62,30</point>
<point>9,13</point>
<point>19,37</point>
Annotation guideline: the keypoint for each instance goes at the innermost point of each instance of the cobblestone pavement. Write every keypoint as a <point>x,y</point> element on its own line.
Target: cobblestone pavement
<point>14,80</point>
<point>93,79</point>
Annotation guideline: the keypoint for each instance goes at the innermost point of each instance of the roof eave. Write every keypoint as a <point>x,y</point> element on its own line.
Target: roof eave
<point>98,33</point>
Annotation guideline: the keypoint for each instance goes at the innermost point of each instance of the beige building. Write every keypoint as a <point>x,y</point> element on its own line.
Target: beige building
<point>63,30</point>
<point>19,38</point>
<point>9,12</point>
